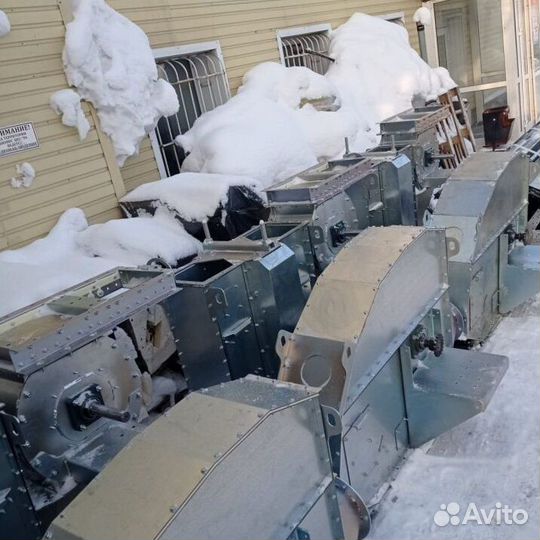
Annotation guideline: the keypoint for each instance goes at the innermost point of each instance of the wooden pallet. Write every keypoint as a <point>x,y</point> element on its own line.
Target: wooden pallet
<point>457,129</point>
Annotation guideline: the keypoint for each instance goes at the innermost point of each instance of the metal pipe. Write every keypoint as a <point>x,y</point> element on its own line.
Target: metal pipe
<point>322,55</point>
<point>207,235</point>
<point>347,149</point>
<point>264,234</point>
<point>107,412</point>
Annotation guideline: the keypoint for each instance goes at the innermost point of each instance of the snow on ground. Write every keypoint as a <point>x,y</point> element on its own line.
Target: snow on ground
<point>5,25</point>
<point>109,60</point>
<point>195,196</point>
<point>272,128</point>
<point>25,176</point>
<point>492,458</point>
<point>68,104</point>
<point>73,252</point>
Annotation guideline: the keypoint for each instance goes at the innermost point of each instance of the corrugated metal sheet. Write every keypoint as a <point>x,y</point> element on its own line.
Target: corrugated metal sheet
<point>246,31</point>
<point>71,173</point>
<point>68,172</point>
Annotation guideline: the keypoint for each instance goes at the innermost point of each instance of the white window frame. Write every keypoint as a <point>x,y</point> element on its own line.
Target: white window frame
<point>299,31</point>
<point>398,15</point>
<point>165,53</point>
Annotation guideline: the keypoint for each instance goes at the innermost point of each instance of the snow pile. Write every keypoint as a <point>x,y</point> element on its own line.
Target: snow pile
<point>135,241</point>
<point>48,265</point>
<point>74,252</point>
<point>195,196</point>
<point>109,60</point>
<point>25,176</point>
<point>57,244</point>
<point>422,16</point>
<point>492,458</point>
<point>250,135</point>
<point>68,104</point>
<point>378,73</point>
<point>272,130</point>
<point>288,86</point>
<point>5,25</point>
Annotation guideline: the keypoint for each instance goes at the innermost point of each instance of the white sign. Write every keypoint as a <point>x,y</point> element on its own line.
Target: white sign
<point>17,138</point>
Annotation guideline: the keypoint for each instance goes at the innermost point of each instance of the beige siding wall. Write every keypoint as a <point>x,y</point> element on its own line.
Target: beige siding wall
<point>73,173</point>
<point>69,172</point>
<point>246,32</point>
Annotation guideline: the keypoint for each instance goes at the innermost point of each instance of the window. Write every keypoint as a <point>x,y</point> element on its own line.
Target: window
<point>396,18</point>
<point>307,46</point>
<point>198,75</point>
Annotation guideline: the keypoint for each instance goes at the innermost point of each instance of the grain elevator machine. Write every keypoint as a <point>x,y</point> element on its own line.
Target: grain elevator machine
<point>376,338</point>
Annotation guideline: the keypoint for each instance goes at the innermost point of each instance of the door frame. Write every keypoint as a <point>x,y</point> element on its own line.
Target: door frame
<point>513,79</point>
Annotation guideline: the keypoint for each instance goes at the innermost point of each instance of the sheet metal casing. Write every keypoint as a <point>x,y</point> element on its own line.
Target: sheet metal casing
<point>56,349</point>
<point>355,341</point>
<point>78,315</point>
<point>18,519</point>
<point>248,459</point>
<point>225,322</point>
<point>482,198</point>
<point>414,134</point>
<point>297,237</point>
<point>353,193</point>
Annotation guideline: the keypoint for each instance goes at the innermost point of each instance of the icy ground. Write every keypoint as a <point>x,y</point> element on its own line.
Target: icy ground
<point>493,458</point>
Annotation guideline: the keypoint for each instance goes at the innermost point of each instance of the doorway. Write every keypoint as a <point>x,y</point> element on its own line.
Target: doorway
<point>494,63</point>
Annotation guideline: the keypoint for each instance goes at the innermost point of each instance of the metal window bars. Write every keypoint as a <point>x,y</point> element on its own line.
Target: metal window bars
<point>201,84</point>
<point>301,50</point>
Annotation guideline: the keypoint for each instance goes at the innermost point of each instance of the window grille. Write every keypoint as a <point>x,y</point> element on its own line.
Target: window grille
<point>201,84</point>
<point>298,51</point>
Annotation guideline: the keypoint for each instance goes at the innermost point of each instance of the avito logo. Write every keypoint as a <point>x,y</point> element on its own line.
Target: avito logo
<point>449,514</point>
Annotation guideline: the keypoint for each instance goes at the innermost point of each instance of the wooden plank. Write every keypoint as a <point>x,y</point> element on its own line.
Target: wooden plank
<point>106,144</point>
<point>110,157</point>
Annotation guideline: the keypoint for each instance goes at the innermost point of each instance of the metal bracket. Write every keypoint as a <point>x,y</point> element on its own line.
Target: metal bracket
<point>332,421</point>
<point>519,278</point>
<point>532,234</point>
<point>448,390</point>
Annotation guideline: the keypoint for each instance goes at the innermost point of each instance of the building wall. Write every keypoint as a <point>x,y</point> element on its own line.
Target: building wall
<point>69,172</point>
<point>247,35</point>
<point>83,174</point>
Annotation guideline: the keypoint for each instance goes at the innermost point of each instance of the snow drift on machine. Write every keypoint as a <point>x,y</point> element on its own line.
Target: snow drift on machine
<point>74,252</point>
<point>194,196</point>
<point>275,126</point>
